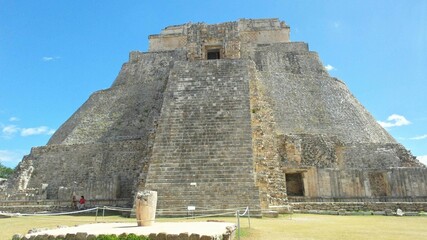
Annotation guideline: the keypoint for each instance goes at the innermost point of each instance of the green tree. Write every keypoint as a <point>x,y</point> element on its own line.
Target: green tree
<point>5,172</point>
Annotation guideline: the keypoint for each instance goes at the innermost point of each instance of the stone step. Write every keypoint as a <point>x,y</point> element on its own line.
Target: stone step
<point>204,137</point>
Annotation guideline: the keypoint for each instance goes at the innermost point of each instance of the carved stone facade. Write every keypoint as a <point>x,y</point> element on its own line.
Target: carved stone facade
<point>232,40</point>
<point>223,116</point>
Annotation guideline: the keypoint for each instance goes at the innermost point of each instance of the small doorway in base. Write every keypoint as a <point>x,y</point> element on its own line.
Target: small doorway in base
<point>379,184</point>
<point>294,184</point>
<point>213,54</point>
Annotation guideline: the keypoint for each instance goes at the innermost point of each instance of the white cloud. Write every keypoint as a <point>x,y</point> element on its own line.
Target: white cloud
<point>49,59</point>
<point>394,120</point>
<point>419,137</point>
<point>14,119</point>
<point>329,67</point>
<point>423,159</point>
<point>42,130</point>
<point>12,157</point>
<point>9,130</point>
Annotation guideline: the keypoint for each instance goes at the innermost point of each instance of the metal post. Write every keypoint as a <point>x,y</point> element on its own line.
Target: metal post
<point>96,216</point>
<point>103,212</point>
<point>238,224</point>
<point>249,218</point>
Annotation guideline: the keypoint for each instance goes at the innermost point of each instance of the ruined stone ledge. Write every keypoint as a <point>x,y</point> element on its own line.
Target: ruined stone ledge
<point>159,231</point>
<point>335,207</point>
<point>153,236</point>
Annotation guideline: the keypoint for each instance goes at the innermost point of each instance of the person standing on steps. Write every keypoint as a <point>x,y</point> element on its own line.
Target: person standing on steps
<point>82,203</point>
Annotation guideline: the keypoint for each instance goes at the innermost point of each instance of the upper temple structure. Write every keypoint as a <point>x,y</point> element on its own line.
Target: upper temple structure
<point>218,117</point>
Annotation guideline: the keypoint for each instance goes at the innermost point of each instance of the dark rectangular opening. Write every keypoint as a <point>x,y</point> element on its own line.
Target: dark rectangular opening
<point>379,185</point>
<point>213,54</point>
<point>294,184</point>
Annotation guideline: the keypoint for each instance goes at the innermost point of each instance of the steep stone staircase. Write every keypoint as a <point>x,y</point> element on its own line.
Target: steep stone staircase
<point>202,154</point>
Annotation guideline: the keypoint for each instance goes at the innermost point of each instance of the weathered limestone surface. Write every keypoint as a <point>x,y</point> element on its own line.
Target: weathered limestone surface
<point>145,207</point>
<point>96,170</point>
<point>306,100</point>
<point>127,109</point>
<point>202,152</point>
<point>222,116</point>
<point>353,208</point>
<point>102,150</point>
<point>269,176</point>
<point>365,183</point>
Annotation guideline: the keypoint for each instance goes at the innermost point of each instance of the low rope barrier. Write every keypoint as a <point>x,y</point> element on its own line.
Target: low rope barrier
<point>246,211</point>
<point>198,210</point>
<point>56,214</point>
<point>224,212</point>
<point>210,215</point>
<point>119,209</point>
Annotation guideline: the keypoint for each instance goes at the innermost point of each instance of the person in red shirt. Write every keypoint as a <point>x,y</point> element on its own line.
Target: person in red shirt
<point>82,202</point>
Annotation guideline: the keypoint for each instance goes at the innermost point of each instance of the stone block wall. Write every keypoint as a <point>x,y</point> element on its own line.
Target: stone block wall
<point>229,235</point>
<point>222,133</point>
<point>202,155</point>
<point>326,151</point>
<point>96,170</point>
<point>231,38</point>
<point>392,183</point>
<point>269,175</point>
<point>103,149</point>
<point>407,182</point>
<point>306,100</point>
<point>128,109</point>
<point>368,206</point>
<point>98,188</point>
<point>306,150</point>
<point>378,156</point>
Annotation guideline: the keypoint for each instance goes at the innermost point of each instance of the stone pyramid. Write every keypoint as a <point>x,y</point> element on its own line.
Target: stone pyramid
<point>219,117</point>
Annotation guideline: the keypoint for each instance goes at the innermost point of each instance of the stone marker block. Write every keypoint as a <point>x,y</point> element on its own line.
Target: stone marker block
<point>204,237</point>
<point>341,212</point>
<point>152,236</point>
<point>42,237</point>
<point>146,203</point>
<point>194,236</point>
<point>70,236</point>
<point>183,236</point>
<point>91,237</point>
<point>161,236</point>
<point>81,236</point>
<point>389,212</point>
<point>172,237</point>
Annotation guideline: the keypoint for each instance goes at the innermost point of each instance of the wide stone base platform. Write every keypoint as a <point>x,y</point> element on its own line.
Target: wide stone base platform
<point>164,230</point>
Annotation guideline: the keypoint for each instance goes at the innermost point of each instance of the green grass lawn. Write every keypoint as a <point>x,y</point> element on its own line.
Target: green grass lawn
<point>300,226</point>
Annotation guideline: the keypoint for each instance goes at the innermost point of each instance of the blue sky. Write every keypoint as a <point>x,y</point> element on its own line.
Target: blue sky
<point>54,54</point>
